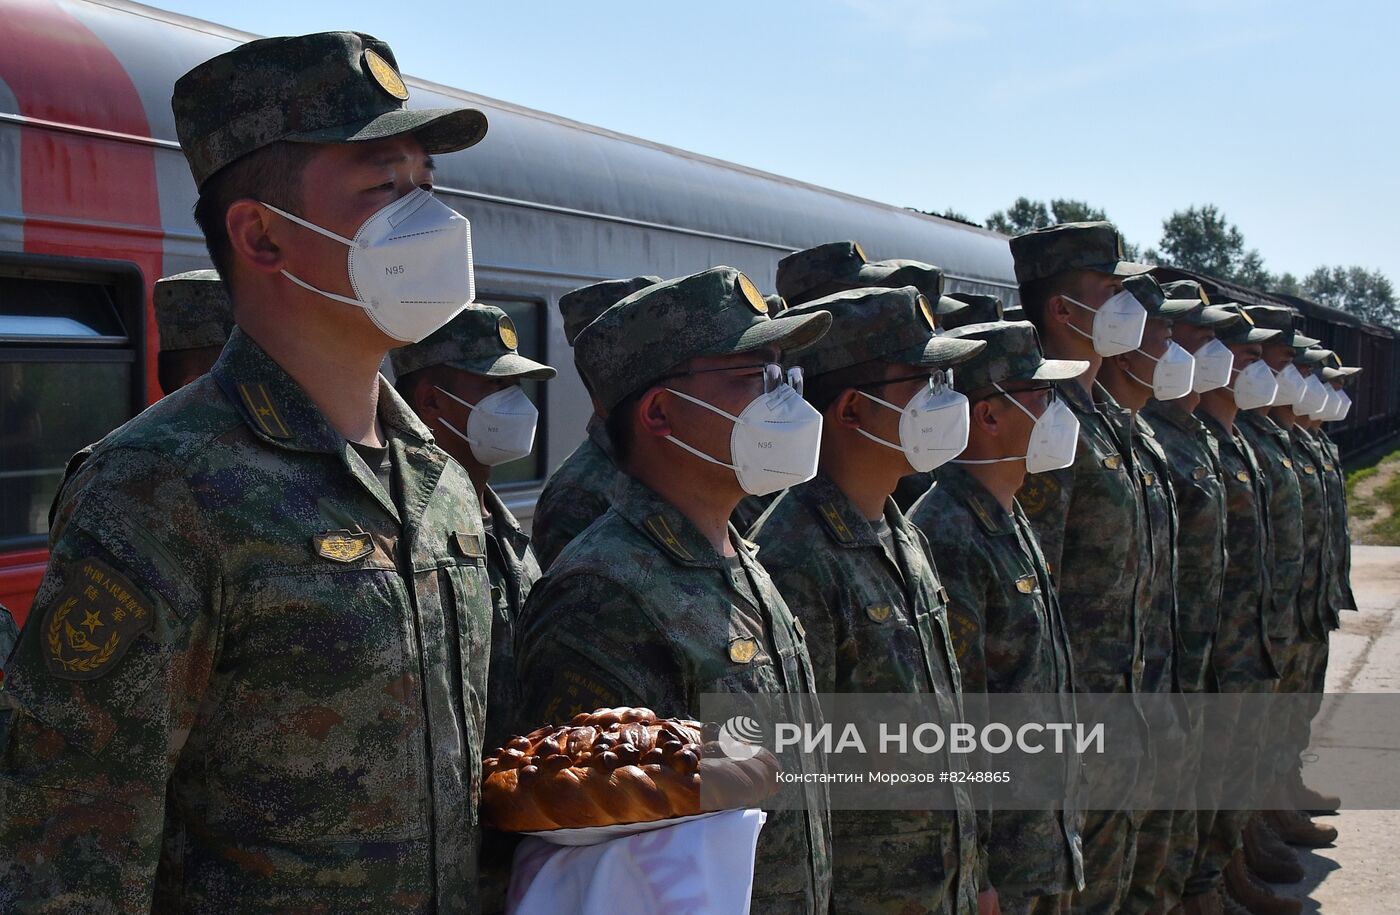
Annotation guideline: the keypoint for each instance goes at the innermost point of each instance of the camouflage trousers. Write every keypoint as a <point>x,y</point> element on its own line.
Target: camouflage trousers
<point>1110,848</point>
<point>1161,831</point>
<point>1033,905</point>
<point>1232,769</point>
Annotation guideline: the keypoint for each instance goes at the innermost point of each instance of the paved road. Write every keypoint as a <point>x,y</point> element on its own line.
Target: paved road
<point>1361,875</point>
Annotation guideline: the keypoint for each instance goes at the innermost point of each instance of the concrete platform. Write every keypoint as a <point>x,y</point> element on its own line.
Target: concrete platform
<point>1361,874</point>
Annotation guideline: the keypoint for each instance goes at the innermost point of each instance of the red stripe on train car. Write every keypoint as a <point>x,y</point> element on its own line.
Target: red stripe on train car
<point>74,188</point>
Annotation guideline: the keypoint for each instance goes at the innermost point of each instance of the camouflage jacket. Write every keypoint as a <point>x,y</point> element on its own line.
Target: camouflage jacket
<point>1241,656</point>
<point>1339,596</point>
<point>574,496</point>
<point>749,510</point>
<point>513,570</point>
<point>8,635</point>
<point>1089,520</point>
<point>251,677</point>
<point>643,612</point>
<point>912,488</point>
<point>1312,588</point>
<point>1009,637</point>
<point>1193,462</point>
<point>1160,624</point>
<point>874,626</point>
<point>1274,452</point>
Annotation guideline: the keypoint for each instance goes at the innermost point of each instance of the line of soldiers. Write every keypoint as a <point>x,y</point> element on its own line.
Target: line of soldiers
<point>285,612</point>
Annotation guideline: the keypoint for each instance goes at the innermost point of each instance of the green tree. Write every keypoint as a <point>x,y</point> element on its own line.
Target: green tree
<point>1368,294</point>
<point>1022,216</point>
<point>1203,240</point>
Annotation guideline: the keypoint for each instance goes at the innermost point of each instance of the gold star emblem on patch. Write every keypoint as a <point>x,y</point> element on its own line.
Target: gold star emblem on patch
<point>113,613</point>
<point>506,329</point>
<point>742,651</point>
<point>385,75</point>
<point>751,295</point>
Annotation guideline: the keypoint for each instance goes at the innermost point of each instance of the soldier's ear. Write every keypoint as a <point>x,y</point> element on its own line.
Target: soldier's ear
<point>252,235</point>
<point>984,417</point>
<point>843,408</point>
<point>652,413</point>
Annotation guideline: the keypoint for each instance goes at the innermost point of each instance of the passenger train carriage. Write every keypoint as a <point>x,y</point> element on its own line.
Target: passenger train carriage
<point>96,204</point>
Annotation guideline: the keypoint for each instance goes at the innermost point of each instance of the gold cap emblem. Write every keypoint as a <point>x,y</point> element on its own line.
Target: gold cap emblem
<point>860,252</point>
<point>1244,314</point>
<point>742,651</point>
<point>1205,299</point>
<point>1288,462</point>
<point>506,328</point>
<point>927,311</point>
<point>751,295</point>
<point>385,75</point>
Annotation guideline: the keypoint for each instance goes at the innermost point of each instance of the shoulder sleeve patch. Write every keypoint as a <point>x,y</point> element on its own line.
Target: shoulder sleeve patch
<point>90,624</point>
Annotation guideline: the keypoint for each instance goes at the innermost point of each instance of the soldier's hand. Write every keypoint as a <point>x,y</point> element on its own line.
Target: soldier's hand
<point>988,903</point>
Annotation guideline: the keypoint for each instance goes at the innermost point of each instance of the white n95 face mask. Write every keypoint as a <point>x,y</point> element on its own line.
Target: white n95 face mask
<point>1214,361</point>
<point>1328,407</point>
<point>1314,396</point>
<point>933,426</point>
<point>1118,324</point>
<point>1290,387</point>
<point>1173,375</point>
<point>775,444</point>
<point>1255,386</point>
<point>1343,407</point>
<point>410,265</point>
<point>1054,438</point>
<point>501,427</point>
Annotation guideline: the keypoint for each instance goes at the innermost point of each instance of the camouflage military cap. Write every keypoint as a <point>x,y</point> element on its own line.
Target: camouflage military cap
<point>1149,293</point>
<point>884,325</point>
<point>1244,330</point>
<point>192,310</point>
<point>842,265</point>
<point>1342,373</point>
<point>713,313</point>
<point>1283,319</point>
<point>580,306</point>
<point>1313,355</point>
<point>1013,354</point>
<point>1201,313</point>
<point>481,340</point>
<point>1071,246</point>
<point>329,87</point>
<point>963,308</point>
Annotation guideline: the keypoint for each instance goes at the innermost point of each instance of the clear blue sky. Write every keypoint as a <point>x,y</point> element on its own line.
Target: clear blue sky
<point>1283,114</point>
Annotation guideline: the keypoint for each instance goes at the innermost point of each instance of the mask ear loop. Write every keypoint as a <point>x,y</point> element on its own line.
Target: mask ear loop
<point>696,451</point>
<point>887,405</point>
<point>1019,406</point>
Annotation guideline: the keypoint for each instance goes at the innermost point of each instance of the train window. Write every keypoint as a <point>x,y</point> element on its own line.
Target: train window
<point>529,319</point>
<point>70,372</point>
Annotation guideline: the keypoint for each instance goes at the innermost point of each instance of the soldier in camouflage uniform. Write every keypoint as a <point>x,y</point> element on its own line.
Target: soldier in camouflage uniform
<point>1241,660</point>
<point>1131,379</point>
<point>443,378</point>
<point>1193,465</point>
<point>253,676</point>
<point>576,494</point>
<point>660,601</point>
<point>840,266</point>
<point>8,636</point>
<point>194,317</point>
<point>857,574</point>
<point>1090,517</point>
<point>1286,627</point>
<point>1007,629</point>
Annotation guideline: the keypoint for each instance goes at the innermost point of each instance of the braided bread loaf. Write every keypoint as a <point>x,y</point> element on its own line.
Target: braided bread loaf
<point>621,765</point>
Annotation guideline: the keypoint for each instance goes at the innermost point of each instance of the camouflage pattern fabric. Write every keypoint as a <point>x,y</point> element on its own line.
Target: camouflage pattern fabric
<point>575,495</point>
<point>1159,875</point>
<point>841,265</point>
<point>8,636</point>
<point>578,307</point>
<point>481,339</point>
<point>1339,589</point>
<point>1274,451</point>
<point>192,310</point>
<point>876,627</point>
<point>252,677</point>
<point>1043,253</point>
<point>1199,492</point>
<point>1009,637</point>
<point>640,610</point>
<point>749,510</point>
<point>513,570</point>
<point>912,488</point>
<point>1308,467</point>
<point>1090,522</point>
<point>1198,489</point>
<point>330,87</point>
<point>969,308</point>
